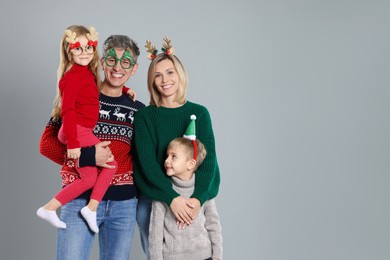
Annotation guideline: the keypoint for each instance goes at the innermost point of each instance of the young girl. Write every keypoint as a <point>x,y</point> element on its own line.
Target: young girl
<point>203,239</point>
<point>116,213</point>
<point>155,126</point>
<point>77,103</point>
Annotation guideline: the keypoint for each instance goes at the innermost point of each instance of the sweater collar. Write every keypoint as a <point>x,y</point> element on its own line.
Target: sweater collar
<point>184,184</point>
<point>176,109</point>
<point>78,67</point>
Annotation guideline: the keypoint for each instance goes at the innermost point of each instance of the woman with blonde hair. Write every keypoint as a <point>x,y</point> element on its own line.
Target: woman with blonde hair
<point>156,125</point>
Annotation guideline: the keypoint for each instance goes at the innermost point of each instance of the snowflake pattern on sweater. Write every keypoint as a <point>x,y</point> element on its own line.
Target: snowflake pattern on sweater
<point>115,121</point>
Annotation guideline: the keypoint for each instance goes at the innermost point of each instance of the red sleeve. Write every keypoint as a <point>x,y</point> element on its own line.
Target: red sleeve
<point>50,146</point>
<point>70,86</point>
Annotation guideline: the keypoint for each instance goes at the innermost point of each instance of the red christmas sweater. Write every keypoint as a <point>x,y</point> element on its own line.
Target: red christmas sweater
<point>80,102</point>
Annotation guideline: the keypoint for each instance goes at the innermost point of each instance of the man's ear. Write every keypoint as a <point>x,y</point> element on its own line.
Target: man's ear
<point>135,67</point>
<point>102,63</point>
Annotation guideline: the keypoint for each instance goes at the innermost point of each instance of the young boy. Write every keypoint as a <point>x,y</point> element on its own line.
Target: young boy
<point>203,238</point>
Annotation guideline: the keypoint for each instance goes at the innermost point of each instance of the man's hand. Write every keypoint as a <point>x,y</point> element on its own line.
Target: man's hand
<point>104,155</point>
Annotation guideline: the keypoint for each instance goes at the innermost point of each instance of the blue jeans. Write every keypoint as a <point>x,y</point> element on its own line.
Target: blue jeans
<point>116,221</point>
<point>144,208</point>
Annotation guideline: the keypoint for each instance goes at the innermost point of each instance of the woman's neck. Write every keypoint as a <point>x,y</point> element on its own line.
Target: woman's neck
<point>170,103</point>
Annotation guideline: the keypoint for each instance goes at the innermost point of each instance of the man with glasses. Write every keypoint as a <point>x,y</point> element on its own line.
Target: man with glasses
<point>116,213</point>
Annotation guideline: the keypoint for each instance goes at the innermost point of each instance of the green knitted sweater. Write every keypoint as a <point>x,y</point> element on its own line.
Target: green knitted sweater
<point>154,128</point>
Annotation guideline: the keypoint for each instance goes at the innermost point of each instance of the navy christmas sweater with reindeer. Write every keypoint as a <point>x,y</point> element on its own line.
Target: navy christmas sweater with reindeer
<point>116,118</point>
<point>115,124</point>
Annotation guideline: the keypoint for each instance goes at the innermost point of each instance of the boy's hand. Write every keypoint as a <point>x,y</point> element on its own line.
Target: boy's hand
<point>73,153</point>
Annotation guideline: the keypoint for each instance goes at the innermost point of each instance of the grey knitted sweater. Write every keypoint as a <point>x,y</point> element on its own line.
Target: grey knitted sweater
<point>201,240</point>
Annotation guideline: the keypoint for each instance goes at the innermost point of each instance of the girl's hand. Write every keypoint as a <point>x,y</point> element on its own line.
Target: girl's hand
<point>181,208</point>
<point>131,93</point>
<point>73,153</point>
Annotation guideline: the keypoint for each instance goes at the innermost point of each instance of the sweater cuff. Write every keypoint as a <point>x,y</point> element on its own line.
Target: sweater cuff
<point>87,157</point>
<point>201,196</point>
<point>170,197</point>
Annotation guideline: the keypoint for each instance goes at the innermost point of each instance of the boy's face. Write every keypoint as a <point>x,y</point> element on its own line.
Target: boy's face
<point>178,162</point>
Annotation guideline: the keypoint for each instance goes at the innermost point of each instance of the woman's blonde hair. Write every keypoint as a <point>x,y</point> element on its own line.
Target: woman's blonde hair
<point>66,62</point>
<point>155,96</point>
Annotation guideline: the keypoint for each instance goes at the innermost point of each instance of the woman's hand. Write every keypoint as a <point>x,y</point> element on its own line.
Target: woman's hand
<point>73,153</point>
<point>195,207</point>
<point>181,208</point>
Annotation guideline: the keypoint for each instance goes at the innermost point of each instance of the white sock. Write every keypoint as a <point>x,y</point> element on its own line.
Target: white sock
<point>90,217</point>
<point>51,217</point>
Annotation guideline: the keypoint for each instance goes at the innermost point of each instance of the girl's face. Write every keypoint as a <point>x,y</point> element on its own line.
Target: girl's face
<point>178,162</point>
<point>166,79</point>
<point>84,58</point>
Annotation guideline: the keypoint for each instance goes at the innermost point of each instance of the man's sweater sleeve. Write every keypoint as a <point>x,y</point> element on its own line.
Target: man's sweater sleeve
<point>49,145</point>
<point>87,157</point>
<point>51,148</point>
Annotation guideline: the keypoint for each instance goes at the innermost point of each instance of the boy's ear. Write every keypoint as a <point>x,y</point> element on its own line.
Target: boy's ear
<point>191,164</point>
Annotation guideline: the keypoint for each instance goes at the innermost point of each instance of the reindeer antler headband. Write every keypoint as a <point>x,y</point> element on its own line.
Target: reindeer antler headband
<point>167,48</point>
<point>92,36</point>
<point>71,36</point>
<point>71,39</point>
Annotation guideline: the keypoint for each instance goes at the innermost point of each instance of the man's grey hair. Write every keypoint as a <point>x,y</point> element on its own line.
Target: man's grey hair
<point>122,42</point>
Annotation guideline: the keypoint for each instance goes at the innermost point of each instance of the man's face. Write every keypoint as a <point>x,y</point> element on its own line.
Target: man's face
<point>117,76</point>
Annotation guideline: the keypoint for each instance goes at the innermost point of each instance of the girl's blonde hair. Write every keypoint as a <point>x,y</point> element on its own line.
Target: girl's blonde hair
<point>155,96</point>
<point>66,62</point>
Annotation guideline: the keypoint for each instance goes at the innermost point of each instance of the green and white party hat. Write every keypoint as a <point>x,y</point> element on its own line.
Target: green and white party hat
<point>190,132</point>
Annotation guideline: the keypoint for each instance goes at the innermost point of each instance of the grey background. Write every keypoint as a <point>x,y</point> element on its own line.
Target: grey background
<point>299,96</point>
